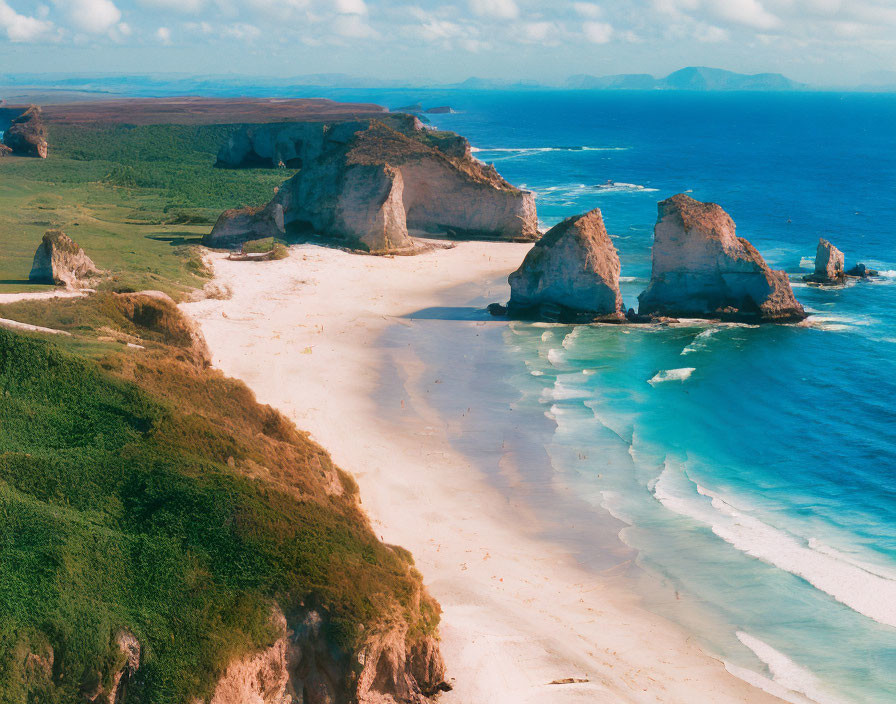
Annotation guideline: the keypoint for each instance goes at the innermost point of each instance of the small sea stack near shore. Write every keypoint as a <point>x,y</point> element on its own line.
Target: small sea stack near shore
<point>830,264</point>
<point>701,269</point>
<point>570,275</point>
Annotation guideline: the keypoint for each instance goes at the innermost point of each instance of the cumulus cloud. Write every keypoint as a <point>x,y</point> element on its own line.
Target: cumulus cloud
<point>588,9</point>
<point>163,34</point>
<point>498,9</point>
<point>353,26</point>
<point>186,6</point>
<point>90,16</point>
<point>598,32</point>
<point>747,12</point>
<point>21,28</point>
<point>351,7</point>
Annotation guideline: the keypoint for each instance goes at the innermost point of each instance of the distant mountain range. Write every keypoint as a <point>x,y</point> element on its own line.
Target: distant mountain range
<point>691,78</point>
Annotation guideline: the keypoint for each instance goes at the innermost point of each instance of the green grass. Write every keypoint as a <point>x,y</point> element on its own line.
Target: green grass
<point>135,198</point>
<point>144,493</point>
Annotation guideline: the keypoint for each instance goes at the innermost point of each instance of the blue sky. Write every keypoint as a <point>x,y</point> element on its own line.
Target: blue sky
<point>819,41</point>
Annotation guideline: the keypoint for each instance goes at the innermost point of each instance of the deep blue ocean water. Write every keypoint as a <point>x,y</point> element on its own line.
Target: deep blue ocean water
<point>753,469</point>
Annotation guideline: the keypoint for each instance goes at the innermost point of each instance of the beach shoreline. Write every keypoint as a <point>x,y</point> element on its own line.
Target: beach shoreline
<point>307,335</point>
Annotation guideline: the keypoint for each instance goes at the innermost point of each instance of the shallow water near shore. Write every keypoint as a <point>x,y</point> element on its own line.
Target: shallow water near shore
<point>742,478</point>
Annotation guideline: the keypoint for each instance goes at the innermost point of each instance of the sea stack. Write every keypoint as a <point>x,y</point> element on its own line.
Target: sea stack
<point>829,264</point>
<point>701,269</point>
<point>570,275</point>
<point>58,260</point>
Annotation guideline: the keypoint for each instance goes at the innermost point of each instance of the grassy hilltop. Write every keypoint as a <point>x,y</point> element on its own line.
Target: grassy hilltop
<point>136,198</point>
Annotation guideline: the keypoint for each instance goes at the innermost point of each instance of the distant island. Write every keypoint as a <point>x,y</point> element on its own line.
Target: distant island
<point>692,78</point>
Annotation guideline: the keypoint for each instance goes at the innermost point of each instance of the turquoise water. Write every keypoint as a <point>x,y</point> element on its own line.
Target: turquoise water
<point>751,470</point>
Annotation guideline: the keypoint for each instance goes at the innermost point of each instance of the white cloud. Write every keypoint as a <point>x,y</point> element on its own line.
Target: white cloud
<point>21,28</point>
<point>351,7</point>
<point>598,32</point>
<point>163,34</point>
<point>185,6</point>
<point>588,9</point>
<point>90,16</point>
<point>353,27</point>
<point>499,9</point>
<point>746,12</point>
<point>535,32</point>
<point>241,31</point>
<point>710,34</point>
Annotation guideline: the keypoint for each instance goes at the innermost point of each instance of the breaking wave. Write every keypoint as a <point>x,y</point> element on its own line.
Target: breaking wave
<point>671,375</point>
<point>866,589</point>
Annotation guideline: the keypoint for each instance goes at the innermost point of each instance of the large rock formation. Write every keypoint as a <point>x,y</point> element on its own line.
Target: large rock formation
<point>829,263</point>
<point>571,274</point>
<point>369,185</point>
<point>242,224</point>
<point>301,666</point>
<point>26,134</point>
<point>58,260</point>
<point>701,269</point>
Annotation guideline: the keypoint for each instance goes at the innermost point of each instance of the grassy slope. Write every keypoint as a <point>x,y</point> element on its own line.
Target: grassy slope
<point>143,492</point>
<point>135,198</point>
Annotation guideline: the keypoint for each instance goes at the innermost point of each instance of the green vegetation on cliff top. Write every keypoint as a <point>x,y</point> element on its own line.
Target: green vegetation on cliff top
<point>145,493</point>
<point>135,198</point>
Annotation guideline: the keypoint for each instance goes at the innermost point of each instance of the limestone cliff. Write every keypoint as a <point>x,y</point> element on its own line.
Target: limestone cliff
<point>570,275</point>
<point>829,263</point>
<point>370,185</point>
<point>58,260</point>
<point>701,269</point>
<point>26,134</point>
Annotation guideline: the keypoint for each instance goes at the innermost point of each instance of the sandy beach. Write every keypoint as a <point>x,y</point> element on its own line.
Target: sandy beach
<point>522,620</point>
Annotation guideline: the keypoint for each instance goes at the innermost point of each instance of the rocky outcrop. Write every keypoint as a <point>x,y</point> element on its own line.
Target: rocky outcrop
<point>860,271</point>
<point>829,263</point>
<point>59,261</point>
<point>373,186</point>
<point>5,151</point>
<point>243,224</point>
<point>111,687</point>
<point>27,135</point>
<point>570,275</point>
<point>440,110</point>
<point>301,666</point>
<point>159,318</point>
<point>701,269</point>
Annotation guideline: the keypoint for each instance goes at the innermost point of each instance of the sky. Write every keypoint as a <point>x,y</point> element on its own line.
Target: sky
<point>824,42</point>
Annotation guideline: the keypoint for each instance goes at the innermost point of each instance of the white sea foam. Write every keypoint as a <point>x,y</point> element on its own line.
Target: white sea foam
<point>564,193</point>
<point>569,340</point>
<point>865,591</point>
<point>765,684</point>
<point>786,673</point>
<point>807,263</point>
<point>700,342</point>
<point>562,392</point>
<point>671,375</point>
<point>525,151</point>
<point>555,356</point>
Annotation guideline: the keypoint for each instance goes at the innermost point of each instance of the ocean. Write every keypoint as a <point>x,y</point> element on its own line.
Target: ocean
<point>746,474</point>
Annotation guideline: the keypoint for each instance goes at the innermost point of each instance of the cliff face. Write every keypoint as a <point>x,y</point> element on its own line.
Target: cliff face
<point>702,269</point>
<point>27,134</point>
<point>58,260</point>
<point>369,184</point>
<point>572,273</point>
<point>301,666</point>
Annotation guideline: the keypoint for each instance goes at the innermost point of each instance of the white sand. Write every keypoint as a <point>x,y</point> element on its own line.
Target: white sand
<point>519,612</point>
